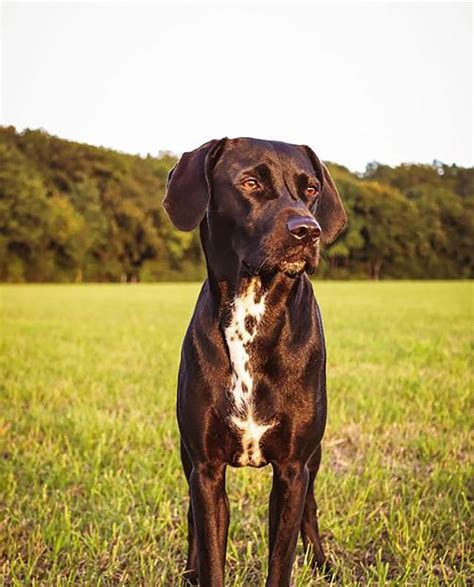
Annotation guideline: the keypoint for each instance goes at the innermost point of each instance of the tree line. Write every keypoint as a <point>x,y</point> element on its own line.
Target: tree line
<point>71,212</point>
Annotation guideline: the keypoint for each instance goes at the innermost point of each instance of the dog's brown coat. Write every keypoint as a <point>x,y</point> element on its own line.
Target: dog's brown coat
<point>243,193</point>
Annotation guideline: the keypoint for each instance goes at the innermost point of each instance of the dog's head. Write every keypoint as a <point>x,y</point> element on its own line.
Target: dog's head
<point>269,202</point>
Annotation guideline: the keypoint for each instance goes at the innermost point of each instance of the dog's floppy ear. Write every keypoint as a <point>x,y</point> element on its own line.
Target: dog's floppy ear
<point>329,210</point>
<point>187,189</point>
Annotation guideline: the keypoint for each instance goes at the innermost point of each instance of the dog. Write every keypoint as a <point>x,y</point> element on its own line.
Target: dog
<point>252,377</point>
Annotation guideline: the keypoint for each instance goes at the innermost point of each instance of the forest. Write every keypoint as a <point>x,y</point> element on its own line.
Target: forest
<point>71,212</point>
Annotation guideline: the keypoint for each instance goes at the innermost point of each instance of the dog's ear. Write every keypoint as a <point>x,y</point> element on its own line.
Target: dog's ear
<point>188,187</point>
<point>329,210</point>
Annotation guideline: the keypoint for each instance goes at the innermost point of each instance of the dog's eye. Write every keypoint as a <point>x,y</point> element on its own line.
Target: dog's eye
<point>311,191</point>
<point>250,183</point>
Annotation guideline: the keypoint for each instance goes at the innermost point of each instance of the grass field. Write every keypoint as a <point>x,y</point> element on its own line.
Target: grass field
<point>91,489</point>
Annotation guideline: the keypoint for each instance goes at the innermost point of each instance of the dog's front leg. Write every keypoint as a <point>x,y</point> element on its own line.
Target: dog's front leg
<point>211,521</point>
<point>290,482</point>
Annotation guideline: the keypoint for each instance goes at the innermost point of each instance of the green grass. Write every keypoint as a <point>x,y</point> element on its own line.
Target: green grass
<point>91,488</point>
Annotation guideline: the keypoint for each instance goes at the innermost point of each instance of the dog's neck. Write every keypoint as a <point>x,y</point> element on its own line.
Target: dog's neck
<point>276,289</point>
<point>227,279</point>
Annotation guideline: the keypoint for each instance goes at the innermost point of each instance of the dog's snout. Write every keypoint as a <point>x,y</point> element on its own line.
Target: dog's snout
<point>304,227</point>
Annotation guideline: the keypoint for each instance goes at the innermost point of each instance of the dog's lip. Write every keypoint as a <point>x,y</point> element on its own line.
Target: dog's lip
<point>293,267</point>
<point>303,255</point>
<point>294,258</point>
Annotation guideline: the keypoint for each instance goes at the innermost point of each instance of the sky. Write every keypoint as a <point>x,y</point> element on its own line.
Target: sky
<point>358,82</point>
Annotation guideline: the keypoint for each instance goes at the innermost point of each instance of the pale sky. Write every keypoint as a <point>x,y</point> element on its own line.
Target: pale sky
<point>358,82</point>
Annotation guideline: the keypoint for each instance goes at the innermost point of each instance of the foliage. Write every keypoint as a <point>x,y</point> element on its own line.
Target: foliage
<point>73,212</point>
<point>91,488</point>
<point>411,221</point>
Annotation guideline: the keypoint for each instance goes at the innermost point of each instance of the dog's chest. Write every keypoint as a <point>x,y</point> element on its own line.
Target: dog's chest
<point>247,313</point>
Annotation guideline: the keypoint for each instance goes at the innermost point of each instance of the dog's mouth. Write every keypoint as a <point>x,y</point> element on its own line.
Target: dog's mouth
<point>300,260</point>
<point>293,265</point>
<point>293,268</point>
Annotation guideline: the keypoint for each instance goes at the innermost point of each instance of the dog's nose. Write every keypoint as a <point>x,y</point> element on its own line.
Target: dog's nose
<point>304,227</point>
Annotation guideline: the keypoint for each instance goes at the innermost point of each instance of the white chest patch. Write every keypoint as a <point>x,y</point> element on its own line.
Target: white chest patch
<point>247,312</point>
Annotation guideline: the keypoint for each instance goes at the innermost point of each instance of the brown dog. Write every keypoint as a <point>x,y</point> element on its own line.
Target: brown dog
<point>252,381</point>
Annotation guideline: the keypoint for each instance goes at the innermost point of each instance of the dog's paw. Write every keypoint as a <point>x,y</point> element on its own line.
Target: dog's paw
<point>190,578</point>
<point>325,570</point>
